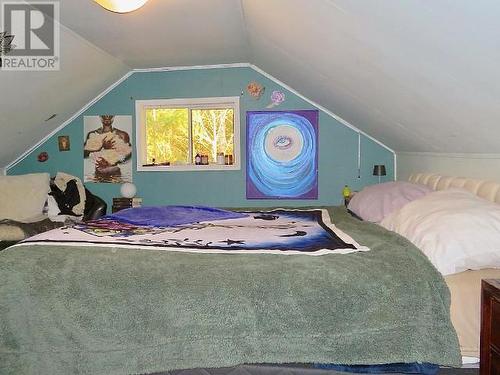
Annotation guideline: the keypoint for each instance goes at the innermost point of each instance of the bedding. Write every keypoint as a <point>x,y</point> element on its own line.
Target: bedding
<point>278,232</point>
<point>11,230</point>
<point>375,202</point>
<point>165,216</point>
<point>69,194</point>
<point>454,228</point>
<point>113,310</point>
<point>22,198</point>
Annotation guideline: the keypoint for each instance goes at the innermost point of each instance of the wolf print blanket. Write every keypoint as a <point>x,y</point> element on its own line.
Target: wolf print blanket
<point>277,232</point>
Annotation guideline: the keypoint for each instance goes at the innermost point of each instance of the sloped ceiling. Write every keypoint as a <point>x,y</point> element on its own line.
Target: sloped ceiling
<point>27,99</point>
<point>417,75</point>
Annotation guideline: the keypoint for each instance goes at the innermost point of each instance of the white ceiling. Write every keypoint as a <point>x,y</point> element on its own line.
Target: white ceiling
<point>419,75</point>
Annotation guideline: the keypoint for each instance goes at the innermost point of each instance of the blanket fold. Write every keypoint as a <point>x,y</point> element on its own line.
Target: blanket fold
<point>167,216</point>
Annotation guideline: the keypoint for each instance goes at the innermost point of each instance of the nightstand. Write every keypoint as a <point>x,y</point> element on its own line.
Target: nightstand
<point>490,327</point>
<point>123,203</point>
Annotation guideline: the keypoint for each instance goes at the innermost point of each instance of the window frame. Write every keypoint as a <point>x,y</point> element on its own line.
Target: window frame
<point>190,103</point>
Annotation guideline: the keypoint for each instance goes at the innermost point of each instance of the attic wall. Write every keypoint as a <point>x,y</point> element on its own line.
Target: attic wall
<point>338,146</point>
<point>480,166</point>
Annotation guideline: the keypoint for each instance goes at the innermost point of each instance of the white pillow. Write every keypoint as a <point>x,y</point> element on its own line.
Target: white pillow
<point>23,197</point>
<point>375,202</point>
<point>455,229</point>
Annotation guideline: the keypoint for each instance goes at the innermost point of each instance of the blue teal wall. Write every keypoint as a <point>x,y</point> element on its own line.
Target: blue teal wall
<point>338,146</point>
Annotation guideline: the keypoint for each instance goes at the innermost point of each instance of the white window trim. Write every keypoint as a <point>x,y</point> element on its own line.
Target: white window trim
<point>212,103</point>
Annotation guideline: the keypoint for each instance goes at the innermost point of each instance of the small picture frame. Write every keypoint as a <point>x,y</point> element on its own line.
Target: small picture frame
<point>64,144</point>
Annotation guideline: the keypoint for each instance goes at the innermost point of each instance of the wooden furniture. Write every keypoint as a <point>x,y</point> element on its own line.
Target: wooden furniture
<point>490,327</point>
<point>123,203</point>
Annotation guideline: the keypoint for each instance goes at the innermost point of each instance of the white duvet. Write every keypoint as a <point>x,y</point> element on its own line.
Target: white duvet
<point>455,229</point>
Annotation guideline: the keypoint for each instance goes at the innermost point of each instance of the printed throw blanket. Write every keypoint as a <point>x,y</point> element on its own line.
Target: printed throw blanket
<point>167,216</point>
<point>278,231</point>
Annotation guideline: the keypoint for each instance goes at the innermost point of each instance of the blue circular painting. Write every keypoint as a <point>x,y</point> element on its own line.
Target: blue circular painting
<point>282,151</point>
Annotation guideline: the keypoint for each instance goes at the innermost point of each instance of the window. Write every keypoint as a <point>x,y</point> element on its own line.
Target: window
<point>173,133</point>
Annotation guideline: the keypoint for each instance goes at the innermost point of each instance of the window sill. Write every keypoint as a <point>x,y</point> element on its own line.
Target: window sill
<point>189,168</point>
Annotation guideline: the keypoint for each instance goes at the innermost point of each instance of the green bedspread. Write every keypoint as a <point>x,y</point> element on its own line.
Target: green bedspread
<point>74,310</point>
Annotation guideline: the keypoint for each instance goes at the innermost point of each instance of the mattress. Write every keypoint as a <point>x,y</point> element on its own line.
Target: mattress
<point>465,310</point>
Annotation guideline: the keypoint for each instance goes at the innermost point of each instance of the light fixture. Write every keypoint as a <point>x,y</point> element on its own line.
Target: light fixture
<point>121,6</point>
<point>128,190</point>
<point>379,170</point>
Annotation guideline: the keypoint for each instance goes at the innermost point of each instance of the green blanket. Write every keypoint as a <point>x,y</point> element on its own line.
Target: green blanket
<point>74,310</point>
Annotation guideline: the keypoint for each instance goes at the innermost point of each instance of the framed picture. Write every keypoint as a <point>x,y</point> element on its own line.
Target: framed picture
<point>282,154</point>
<point>63,141</point>
<point>107,149</point>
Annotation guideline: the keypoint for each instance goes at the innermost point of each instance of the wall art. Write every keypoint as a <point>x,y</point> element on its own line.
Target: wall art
<point>282,154</point>
<point>63,142</point>
<point>43,157</point>
<point>255,90</point>
<point>107,150</point>
<point>277,97</point>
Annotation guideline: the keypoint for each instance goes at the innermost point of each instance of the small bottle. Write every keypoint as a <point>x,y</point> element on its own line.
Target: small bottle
<point>346,193</point>
<point>204,159</point>
<point>220,158</point>
<point>197,159</point>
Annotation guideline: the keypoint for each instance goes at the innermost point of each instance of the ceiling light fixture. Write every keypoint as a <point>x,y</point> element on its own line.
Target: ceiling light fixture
<point>121,6</point>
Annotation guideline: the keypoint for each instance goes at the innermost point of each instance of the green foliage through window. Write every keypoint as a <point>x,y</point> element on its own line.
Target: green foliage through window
<point>167,135</point>
<point>168,132</point>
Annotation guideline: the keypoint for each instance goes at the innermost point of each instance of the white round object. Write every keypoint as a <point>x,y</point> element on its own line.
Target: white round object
<point>284,143</point>
<point>121,6</point>
<point>128,190</point>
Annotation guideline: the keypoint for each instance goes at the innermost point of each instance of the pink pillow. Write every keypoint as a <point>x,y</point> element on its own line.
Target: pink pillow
<point>375,202</point>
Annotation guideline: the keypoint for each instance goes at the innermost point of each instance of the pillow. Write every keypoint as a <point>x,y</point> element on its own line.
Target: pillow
<point>375,202</point>
<point>23,197</point>
<point>69,193</point>
<point>455,229</point>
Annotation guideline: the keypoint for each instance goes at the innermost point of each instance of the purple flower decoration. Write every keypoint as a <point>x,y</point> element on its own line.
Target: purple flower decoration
<point>277,97</point>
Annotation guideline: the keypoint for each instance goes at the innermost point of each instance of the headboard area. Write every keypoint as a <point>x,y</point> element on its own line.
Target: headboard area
<point>489,190</point>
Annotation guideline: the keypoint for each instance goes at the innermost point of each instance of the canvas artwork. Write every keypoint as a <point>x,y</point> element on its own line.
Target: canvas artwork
<point>282,154</point>
<point>107,149</point>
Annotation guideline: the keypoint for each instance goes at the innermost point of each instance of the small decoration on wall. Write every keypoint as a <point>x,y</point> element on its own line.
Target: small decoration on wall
<point>277,97</point>
<point>43,157</point>
<point>107,150</point>
<point>63,142</point>
<point>282,154</point>
<point>255,90</point>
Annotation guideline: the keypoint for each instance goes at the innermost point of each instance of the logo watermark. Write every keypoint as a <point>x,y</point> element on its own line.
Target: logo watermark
<point>34,31</point>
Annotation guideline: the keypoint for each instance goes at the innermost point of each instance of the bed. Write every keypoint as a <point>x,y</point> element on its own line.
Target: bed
<point>465,287</point>
<point>104,308</point>
<point>455,222</point>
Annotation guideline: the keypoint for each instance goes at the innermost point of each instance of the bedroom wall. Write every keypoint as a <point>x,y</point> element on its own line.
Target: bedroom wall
<point>338,145</point>
<point>480,166</point>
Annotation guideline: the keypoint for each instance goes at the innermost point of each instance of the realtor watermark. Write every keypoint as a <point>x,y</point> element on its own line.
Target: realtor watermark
<point>34,31</point>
